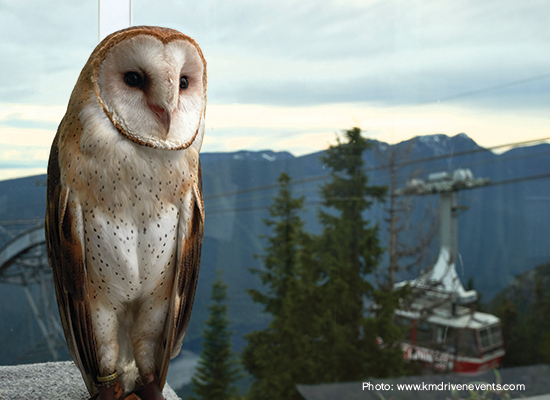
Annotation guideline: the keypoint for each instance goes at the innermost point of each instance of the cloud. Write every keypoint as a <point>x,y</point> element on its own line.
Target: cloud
<point>295,52</point>
<point>21,137</point>
<point>289,74</point>
<point>13,173</point>
<point>391,53</point>
<point>31,113</point>
<point>306,129</point>
<point>10,155</point>
<point>42,154</point>
<point>44,46</point>
<point>24,155</point>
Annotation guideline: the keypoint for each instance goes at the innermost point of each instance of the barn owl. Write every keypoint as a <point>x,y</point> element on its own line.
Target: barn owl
<point>125,215</point>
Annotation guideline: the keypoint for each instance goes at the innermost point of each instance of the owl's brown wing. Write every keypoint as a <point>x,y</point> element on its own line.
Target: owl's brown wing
<point>185,282</point>
<point>64,238</point>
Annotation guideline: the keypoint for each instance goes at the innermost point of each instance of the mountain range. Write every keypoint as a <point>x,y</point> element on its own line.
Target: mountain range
<point>504,231</point>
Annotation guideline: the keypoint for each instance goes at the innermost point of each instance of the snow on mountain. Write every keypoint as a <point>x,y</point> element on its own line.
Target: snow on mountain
<point>440,144</point>
<point>242,155</point>
<point>269,157</point>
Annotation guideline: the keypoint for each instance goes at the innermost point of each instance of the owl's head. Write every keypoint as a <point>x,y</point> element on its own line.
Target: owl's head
<point>151,83</point>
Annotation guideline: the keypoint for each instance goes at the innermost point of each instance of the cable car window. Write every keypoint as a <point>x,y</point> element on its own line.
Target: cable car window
<point>467,343</point>
<point>424,333</point>
<point>484,335</point>
<point>496,337</point>
<point>441,334</point>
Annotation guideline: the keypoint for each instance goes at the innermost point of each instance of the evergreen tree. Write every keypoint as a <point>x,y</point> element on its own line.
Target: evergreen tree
<point>515,341</point>
<point>281,253</point>
<point>218,369</point>
<point>538,326</point>
<point>275,356</point>
<point>523,310</point>
<point>348,251</point>
<point>544,348</point>
<point>317,288</point>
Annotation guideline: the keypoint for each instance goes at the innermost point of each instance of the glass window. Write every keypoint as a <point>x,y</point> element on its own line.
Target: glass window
<point>490,337</point>
<point>484,336</point>
<point>441,334</point>
<point>424,333</point>
<point>496,337</point>
<point>445,339</point>
<point>467,343</point>
<point>451,99</point>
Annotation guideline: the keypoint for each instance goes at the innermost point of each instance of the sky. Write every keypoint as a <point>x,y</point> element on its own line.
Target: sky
<point>290,75</point>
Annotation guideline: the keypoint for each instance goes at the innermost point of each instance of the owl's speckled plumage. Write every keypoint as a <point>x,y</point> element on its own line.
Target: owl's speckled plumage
<point>125,216</point>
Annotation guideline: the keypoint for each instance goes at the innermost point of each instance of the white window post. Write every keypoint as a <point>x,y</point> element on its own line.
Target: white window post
<point>113,16</point>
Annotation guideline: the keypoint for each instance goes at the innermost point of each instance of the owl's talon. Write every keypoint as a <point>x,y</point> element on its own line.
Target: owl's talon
<point>106,393</point>
<point>119,391</point>
<point>151,391</point>
<point>132,396</point>
<point>108,390</point>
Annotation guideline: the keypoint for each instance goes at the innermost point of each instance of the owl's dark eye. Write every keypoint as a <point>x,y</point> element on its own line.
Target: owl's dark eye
<point>184,83</point>
<point>133,79</point>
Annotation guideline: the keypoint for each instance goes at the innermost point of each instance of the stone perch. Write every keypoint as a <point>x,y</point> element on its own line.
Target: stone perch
<point>48,381</point>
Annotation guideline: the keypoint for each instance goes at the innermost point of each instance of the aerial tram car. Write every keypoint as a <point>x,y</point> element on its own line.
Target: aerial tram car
<point>440,331</point>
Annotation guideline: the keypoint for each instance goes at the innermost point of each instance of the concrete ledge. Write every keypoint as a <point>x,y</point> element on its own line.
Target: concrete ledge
<point>48,381</point>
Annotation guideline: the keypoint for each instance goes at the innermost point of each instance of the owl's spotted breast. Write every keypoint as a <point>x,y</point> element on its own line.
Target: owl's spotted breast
<point>129,255</point>
<point>131,214</point>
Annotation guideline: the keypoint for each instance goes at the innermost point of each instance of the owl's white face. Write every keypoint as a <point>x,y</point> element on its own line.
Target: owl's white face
<point>153,91</point>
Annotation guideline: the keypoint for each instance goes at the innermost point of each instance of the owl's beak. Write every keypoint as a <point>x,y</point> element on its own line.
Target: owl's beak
<point>163,115</point>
